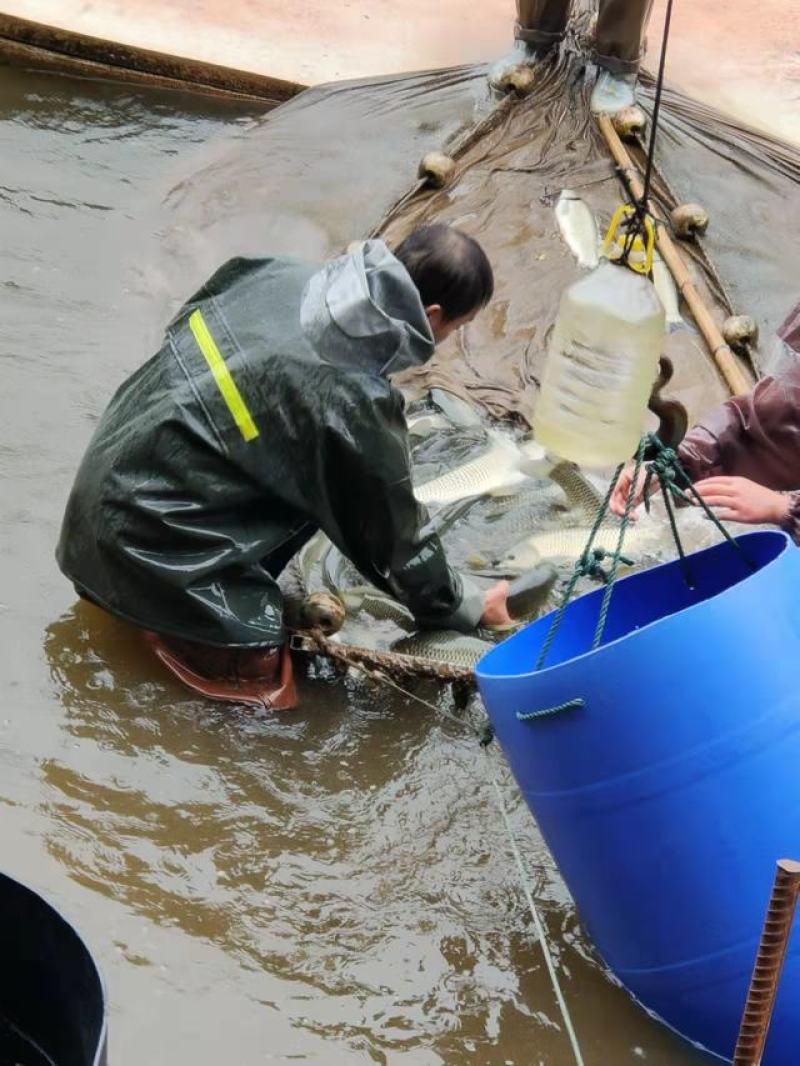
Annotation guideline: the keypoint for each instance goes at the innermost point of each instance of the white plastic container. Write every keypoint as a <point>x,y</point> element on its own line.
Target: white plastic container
<point>601,367</point>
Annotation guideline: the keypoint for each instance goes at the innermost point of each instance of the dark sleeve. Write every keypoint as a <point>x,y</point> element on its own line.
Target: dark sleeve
<point>727,439</point>
<point>368,509</point>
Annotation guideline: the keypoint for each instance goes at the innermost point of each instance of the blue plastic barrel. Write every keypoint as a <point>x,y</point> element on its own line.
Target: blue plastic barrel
<point>667,798</point>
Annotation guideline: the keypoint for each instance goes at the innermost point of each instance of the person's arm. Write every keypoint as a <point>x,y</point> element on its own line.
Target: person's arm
<point>738,499</point>
<point>368,509</point>
<point>713,450</point>
<point>718,445</point>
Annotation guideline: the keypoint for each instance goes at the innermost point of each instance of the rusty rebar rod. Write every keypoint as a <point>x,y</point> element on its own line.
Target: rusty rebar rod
<point>769,963</point>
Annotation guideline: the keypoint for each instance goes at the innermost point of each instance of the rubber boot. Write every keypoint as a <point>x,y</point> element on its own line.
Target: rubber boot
<point>258,677</point>
<point>612,92</point>
<point>521,55</point>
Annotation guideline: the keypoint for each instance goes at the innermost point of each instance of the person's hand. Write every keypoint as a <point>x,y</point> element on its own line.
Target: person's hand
<point>495,606</point>
<point>619,497</point>
<point>737,499</point>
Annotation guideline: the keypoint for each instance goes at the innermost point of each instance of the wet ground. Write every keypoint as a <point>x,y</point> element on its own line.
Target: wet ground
<point>329,886</point>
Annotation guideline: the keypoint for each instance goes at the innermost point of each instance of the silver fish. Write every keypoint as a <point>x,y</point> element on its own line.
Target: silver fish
<point>334,569</point>
<point>422,425</point>
<point>667,293</point>
<point>541,504</point>
<point>444,646</point>
<point>458,411</point>
<point>310,554</point>
<point>499,471</point>
<point>538,505</point>
<point>364,599</point>
<point>570,544</point>
<point>580,494</point>
<point>447,516</point>
<point>343,581</point>
<point>578,228</point>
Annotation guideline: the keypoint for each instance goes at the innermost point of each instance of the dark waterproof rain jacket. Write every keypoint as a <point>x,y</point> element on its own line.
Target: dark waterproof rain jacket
<point>266,415</point>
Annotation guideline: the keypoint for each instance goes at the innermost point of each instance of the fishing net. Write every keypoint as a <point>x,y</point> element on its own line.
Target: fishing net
<point>340,162</point>
<point>327,167</point>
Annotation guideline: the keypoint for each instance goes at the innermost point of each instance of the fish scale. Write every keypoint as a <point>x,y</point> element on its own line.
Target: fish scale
<point>496,471</point>
<point>580,494</point>
<point>452,648</point>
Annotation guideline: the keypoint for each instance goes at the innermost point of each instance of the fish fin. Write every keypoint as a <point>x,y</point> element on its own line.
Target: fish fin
<point>498,573</point>
<point>352,600</point>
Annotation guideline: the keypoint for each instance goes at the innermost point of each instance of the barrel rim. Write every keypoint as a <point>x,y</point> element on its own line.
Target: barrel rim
<point>775,534</point>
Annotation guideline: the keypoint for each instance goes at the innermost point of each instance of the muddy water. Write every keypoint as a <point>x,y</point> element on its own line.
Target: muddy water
<point>329,886</point>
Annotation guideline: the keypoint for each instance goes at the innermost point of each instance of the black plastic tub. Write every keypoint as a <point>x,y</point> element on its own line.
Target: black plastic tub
<point>52,999</point>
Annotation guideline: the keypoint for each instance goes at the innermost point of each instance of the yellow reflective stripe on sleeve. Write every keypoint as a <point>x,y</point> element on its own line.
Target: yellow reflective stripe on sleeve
<point>222,376</point>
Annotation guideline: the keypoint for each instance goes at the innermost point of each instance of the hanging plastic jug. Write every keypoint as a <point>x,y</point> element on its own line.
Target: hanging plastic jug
<point>600,370</point>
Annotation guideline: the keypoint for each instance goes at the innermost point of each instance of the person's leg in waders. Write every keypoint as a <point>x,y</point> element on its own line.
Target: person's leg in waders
<point>261,677</point>
<point>540,27</point>
<point>618,47</point>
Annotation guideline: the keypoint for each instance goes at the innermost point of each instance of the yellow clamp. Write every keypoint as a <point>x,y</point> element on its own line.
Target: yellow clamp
<point>640,256</point>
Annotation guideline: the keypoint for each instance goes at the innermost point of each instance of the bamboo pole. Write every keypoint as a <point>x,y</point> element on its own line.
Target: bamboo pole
<point>769,962</point>
<point>735,377</point>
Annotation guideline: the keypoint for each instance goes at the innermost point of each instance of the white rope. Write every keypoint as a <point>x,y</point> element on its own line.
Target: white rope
<point>540,931</point>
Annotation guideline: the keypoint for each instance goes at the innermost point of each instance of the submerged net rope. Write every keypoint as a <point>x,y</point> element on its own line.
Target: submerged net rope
<point>540,929</point>
<point>541,933</point>
<point>391,663</point>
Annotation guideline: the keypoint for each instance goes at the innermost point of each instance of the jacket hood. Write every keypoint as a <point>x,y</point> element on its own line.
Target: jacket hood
<point>363,310</point>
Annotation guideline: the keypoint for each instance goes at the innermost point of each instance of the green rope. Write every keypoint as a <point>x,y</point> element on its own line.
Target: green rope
<point>585,566</point>
<point>662,463</point>
<point>673,525</point>
<point>667,467</point>
<point>590,564</point>
<point>568,705</point>
<point>623,529</point>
